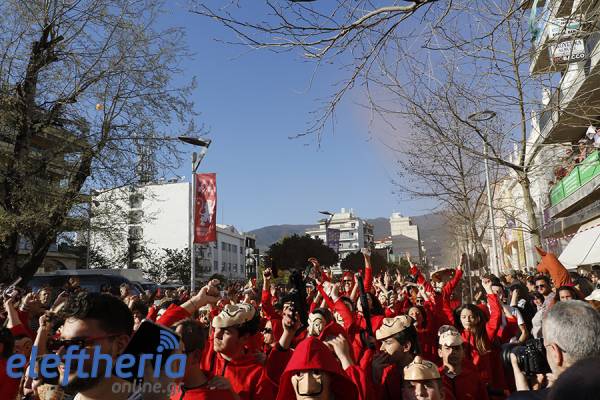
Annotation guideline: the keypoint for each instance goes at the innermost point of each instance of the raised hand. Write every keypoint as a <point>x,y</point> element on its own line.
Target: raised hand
<point>487,285</point>
<point>209,294</point>
<point>341,347</point>
<point>387,279</point>
<point>267,274</point>
<point>399,278</point>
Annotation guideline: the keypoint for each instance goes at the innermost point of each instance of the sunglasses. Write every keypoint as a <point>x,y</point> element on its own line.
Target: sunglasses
<point>347,281</point>
<point>540,286</point>
<point>267,331</point>
<point>56,344</point>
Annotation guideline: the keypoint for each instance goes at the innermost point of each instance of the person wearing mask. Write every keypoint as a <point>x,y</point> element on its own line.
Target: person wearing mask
<point>570,334</point>
<point>232,356</point>
<point>459,378</point>
<point>422,381</point>
<point>314,373</point>
<point>399,346</point>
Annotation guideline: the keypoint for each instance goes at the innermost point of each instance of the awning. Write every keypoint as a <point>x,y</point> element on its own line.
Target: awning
<point>583,249</point>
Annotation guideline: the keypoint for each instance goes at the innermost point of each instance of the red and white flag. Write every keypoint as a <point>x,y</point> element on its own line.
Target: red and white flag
<point>205,208</point>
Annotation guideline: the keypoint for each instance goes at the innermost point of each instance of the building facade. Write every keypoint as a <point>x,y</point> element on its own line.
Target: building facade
<point>405,237</point>
<point>355,233</point>
<point>157,216</point>
<point>564,142</point>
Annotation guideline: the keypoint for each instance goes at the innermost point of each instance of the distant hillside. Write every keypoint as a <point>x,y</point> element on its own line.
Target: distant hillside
<point>381,227</point>
<point>433,229</point>
<point>268,235</point>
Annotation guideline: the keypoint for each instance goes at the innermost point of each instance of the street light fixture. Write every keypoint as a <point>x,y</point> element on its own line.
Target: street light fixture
<point>481,116</point>
<point>327,222</point>
<point>196,160</point>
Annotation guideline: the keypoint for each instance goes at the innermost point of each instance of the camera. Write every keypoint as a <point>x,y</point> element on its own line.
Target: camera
<point>531,356</point>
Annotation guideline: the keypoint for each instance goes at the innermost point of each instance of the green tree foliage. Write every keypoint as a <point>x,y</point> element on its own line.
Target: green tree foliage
<point>356,261</point>
<point>167,265</point>
<point>293,252</point>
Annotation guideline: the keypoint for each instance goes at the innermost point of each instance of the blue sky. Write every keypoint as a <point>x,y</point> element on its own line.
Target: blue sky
<point>252,101</point>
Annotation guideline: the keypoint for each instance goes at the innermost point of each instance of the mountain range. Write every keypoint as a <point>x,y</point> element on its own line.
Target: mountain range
<point>433,229</point>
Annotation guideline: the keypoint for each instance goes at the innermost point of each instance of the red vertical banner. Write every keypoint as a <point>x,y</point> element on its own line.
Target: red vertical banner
<point>205,208</point>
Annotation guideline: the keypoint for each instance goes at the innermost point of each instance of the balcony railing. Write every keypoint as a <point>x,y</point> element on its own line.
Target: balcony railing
<point>579,176</point>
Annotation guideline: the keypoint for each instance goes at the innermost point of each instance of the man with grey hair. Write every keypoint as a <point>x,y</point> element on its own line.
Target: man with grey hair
<point>571,333</point>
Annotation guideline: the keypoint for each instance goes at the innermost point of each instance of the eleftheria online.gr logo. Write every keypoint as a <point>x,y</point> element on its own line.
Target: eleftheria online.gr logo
<point>123,366</point>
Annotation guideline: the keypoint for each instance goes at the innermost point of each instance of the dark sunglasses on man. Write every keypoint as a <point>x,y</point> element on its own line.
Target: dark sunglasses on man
<point>80,342</point>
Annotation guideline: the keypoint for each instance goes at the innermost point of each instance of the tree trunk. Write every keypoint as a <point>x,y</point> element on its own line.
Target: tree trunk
<point>8,258</point>
<point>529,208</point>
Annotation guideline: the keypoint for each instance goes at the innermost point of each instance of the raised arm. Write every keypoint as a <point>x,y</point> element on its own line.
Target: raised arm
<point>266,297</point>
<point>368,270</point>
<point>495,320</point>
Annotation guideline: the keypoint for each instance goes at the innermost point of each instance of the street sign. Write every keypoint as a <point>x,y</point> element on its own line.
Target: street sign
<point>568,51</point>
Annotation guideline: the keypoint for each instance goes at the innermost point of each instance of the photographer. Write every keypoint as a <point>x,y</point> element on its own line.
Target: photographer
<point>570,334</point>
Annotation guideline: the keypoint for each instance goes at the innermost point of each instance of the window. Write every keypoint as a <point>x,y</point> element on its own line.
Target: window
<point>222,245</point>
<point>223,265</point>
<point>216,266</point>
<point>233,248</point>
<point>353,225</point>
<point>234,267</point>
<point>241,250</point>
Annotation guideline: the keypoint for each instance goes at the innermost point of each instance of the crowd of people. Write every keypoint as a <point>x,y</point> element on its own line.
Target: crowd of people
<point>359,336</point>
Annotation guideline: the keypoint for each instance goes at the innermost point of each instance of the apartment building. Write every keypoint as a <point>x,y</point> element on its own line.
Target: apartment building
<point>156,216</point>
<point>566,46</point>
<point>405,237</point>
<point>354,232</point>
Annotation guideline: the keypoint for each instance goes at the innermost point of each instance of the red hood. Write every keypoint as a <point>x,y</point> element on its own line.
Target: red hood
<point>311,353</point>
<point>333,329</point>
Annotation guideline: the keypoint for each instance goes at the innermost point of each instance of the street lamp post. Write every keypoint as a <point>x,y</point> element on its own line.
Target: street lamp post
<point>327,222</point>
<point>196,160</point>
<point>479,117</point>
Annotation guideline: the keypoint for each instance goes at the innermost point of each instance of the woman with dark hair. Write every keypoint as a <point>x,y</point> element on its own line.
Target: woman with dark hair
<point>426,332</point>
<point>565,293</point>
<point>479,334</point>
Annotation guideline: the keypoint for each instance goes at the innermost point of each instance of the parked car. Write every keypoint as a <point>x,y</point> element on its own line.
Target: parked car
<point>93,280</point>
